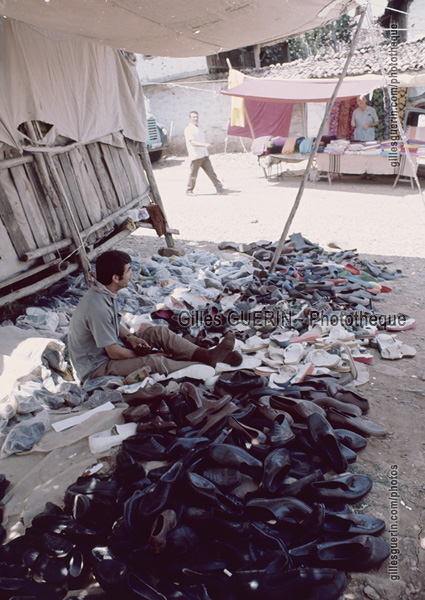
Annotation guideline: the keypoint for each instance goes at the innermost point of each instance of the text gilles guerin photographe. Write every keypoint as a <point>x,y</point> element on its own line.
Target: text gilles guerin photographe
<point>281,318</point>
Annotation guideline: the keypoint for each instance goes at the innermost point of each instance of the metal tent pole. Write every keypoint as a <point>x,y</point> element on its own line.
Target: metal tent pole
<point>315,147</point>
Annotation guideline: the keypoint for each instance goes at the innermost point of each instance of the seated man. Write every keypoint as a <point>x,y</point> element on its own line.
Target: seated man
<point>99,345</point>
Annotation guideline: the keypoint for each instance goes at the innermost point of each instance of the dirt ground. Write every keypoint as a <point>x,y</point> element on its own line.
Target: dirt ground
<point>382,224</point>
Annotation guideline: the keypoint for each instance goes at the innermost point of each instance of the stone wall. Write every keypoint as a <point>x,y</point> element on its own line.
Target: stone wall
<point>172,102</point>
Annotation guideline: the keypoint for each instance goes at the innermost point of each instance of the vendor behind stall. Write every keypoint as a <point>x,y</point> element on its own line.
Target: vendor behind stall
<point>364,120</point>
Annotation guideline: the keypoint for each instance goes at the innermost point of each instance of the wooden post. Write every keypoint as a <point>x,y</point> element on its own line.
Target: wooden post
<point>304,113</point>
<point>15,162</point>
<point>75,234</point>
<point>288,223</point>
<point>41,168</point>
<point>146,162</point>
<point>257,49</point>
<point>45,163</point>
<point>34,254</point>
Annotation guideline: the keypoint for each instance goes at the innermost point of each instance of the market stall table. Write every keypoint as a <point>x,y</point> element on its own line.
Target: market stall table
<point>329,165</point>
<point>268,161</point>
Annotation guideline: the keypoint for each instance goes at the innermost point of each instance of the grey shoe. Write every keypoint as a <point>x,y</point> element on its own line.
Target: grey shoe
<point>222,191</point>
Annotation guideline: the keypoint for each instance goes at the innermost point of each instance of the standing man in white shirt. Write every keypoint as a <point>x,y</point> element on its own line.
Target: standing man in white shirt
<point>364,120</point>
<point>198,150</point>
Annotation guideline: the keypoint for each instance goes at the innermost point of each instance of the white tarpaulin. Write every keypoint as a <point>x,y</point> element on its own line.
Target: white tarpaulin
<point>21,352</point>
<point>176,27</point>
<point>86,91</point>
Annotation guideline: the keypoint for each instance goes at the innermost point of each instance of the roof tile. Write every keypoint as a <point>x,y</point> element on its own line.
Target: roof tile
<point>410,58</point>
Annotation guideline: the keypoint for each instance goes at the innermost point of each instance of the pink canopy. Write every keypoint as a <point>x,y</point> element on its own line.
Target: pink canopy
<point>290,90</point>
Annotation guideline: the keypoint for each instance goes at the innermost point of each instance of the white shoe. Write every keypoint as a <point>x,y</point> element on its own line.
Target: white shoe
<point>105,440</point>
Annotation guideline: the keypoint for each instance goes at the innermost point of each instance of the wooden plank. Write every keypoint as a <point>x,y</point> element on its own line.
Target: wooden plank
<point>14,219</point>
<point>107,221</point>
<point>31,209</point>
<point>14,162</point>
<point>102,175</point>
<point>33,131</point>
<point>37,287</point>
<point>122,175</point>
<point>126,158</point>
<point>113,173</point>
<point>93,178</point>
<point>93,193</point>
<point>124,170</point>
<point>39,204</point>
<point>150,226</point>
<point>50,214</point>
<point>75,198</point>
<point>28,273</point>
<point>64,182</point>
<point>86,189</point>
<point>137,165</point>
<point>68,210</point>
<point>133,150</point>
<point>33,254</point>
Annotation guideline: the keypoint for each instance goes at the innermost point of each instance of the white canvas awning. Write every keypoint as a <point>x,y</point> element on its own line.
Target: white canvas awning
<point>83,91</point>
<point>176,27</point>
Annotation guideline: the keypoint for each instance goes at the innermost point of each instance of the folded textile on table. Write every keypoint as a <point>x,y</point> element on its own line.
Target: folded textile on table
<point>259,145</point>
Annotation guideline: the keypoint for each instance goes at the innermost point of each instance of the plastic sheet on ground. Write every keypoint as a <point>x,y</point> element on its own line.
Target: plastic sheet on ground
<point>21,352</point>
<point>43,474</point>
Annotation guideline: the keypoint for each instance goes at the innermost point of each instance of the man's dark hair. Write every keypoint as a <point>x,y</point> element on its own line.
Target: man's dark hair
<point>193,112</point>
<point>111,263</point>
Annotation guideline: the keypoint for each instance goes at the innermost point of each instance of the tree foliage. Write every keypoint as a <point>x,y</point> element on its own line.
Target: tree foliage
<point>318,42</point>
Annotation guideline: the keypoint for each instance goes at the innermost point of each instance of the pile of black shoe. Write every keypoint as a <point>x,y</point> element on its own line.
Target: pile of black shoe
<point>248,501</point>
<point>250,498</point>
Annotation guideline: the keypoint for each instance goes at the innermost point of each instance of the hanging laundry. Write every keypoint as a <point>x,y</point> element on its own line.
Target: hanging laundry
<point>334,118</point>
<point>344,120</point>
<point>382,106</point>
<point>401,103</point>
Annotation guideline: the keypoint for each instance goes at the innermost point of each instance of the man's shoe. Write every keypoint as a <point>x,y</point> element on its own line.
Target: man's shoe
<point>222,191</point>
<point>189,192</point>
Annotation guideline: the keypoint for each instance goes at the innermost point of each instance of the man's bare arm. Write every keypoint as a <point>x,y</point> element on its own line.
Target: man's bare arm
<point>117,352</point>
